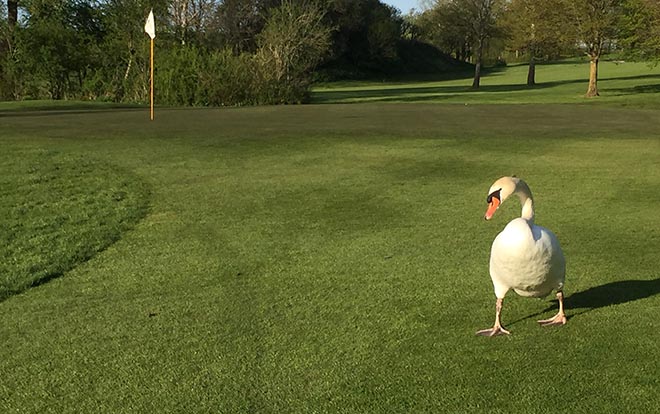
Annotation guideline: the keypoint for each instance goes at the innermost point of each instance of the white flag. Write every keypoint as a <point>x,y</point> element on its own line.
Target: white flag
<point>149,26</point>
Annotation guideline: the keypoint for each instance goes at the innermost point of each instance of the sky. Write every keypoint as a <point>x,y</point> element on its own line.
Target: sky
<point>403,5</point>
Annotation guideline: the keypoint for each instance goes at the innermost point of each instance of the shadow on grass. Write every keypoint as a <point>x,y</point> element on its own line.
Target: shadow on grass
<point>609,294</point>
<point>30,108</point>
<point>428,93</point>
<point>635,90</point>
<point>61,210</point>
<point>614,293</point>
<point>6,293</point>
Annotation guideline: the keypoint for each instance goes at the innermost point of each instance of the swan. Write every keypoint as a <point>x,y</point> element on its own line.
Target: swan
<point>524,257</point>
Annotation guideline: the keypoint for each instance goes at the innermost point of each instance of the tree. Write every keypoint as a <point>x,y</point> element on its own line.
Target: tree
<point>8,29</point>
<point>12,12</point>
<point>294,40</point>
<point>538,28</point>
<point>12,55</point>
<point>366,35</point>
<point>478,18</point>
<point>596,23</point>
<point>62,39</point>
<point>383,33</point>
<point>189,17</point>
<point>122,70</point>
<point>240,21</point>
<point>445,27</point>
<point>640,29</point>
<point>483,16</point>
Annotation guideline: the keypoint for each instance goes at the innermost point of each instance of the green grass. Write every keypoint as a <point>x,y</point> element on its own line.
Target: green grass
<point>620,83</point>
<point>333,258</point>
<point>59,210</point>
<point>68,106</point>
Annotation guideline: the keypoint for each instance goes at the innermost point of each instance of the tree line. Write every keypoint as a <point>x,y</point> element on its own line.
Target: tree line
<point>244,52</point>
<point>208,52</point>
<point>543,29</point>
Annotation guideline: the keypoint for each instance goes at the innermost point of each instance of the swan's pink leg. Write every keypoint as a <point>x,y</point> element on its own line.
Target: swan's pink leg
<point>560,317</point>
<point>497,329</point>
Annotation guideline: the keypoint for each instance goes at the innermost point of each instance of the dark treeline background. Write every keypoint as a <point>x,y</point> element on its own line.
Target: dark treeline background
<point>208,52</point>
<point>242,52</point>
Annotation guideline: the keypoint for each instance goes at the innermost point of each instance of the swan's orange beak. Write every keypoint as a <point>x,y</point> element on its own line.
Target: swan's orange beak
<point>492,207</point>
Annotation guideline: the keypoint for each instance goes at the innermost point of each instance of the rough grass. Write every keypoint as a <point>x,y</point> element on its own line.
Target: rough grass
<point>333,258</point>
<point>58,210</point>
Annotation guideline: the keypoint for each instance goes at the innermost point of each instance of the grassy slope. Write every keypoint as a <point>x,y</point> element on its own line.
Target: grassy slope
<point>334,258</point>
<point>565,82</point>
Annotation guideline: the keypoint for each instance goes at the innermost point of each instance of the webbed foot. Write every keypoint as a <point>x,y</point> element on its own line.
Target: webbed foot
<point>558,319</point>
<point>494,331</point>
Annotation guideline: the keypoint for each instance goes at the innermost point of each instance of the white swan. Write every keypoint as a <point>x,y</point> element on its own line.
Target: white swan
<point>524,257</point>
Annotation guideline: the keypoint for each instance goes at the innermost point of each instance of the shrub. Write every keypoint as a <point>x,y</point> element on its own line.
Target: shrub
<point>293,42</point>
<point>178,77</point>
<point>228,79</point>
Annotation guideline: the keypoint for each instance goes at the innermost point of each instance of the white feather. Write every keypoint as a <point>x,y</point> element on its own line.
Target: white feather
<point>525,257</point>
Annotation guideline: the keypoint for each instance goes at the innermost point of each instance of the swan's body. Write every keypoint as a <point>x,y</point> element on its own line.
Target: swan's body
<point>524,257</point>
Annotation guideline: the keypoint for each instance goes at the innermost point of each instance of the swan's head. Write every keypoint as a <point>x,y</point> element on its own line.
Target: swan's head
<point>500,191</point>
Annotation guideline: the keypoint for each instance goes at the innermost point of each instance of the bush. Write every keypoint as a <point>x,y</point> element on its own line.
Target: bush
<point>179,71</point>
<point>293,42</point>
<point>228,79</point>
<point>67,62</point>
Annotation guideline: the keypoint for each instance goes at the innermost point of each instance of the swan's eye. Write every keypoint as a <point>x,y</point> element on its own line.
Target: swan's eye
<point>494,194</point>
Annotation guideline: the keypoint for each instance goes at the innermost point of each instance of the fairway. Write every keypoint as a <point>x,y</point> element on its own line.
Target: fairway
<point>334,258</point>
<point>622,83</point>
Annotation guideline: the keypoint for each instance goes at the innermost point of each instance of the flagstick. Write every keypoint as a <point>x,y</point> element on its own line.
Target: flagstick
<point>151,31</point>
<point>152,80</point>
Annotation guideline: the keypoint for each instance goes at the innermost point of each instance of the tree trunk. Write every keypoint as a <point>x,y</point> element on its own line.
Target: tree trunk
<point>593,77</point>
<point>12,13</point>
<point>477,68</point>
<point>531,72</point>
<point>477,75</point>
<point>128,68</point>
<point>7,44</point>
<point>12,18</point>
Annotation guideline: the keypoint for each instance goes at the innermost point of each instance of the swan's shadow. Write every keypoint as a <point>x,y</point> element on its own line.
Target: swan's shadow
<point>614,293</point>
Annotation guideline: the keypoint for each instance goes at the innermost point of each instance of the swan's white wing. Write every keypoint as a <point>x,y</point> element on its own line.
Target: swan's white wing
<point>526,259</point>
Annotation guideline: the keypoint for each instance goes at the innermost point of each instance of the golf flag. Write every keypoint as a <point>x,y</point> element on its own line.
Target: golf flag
<point>149,26</point>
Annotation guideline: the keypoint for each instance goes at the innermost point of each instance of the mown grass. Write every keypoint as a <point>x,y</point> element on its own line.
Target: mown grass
<point>620,83</point>
<point>333,258</point>
<point>68,106</point>
<point>59,210</point>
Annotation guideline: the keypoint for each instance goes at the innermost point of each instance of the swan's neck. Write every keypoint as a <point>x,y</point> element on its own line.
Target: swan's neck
<point>525,194</point>
<point>527,208</point>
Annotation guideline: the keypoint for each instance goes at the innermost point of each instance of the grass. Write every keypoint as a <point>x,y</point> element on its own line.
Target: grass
<point>333,258</point>
<point>621,83</point>
<point>54,106</point>
<point>59,210</point>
